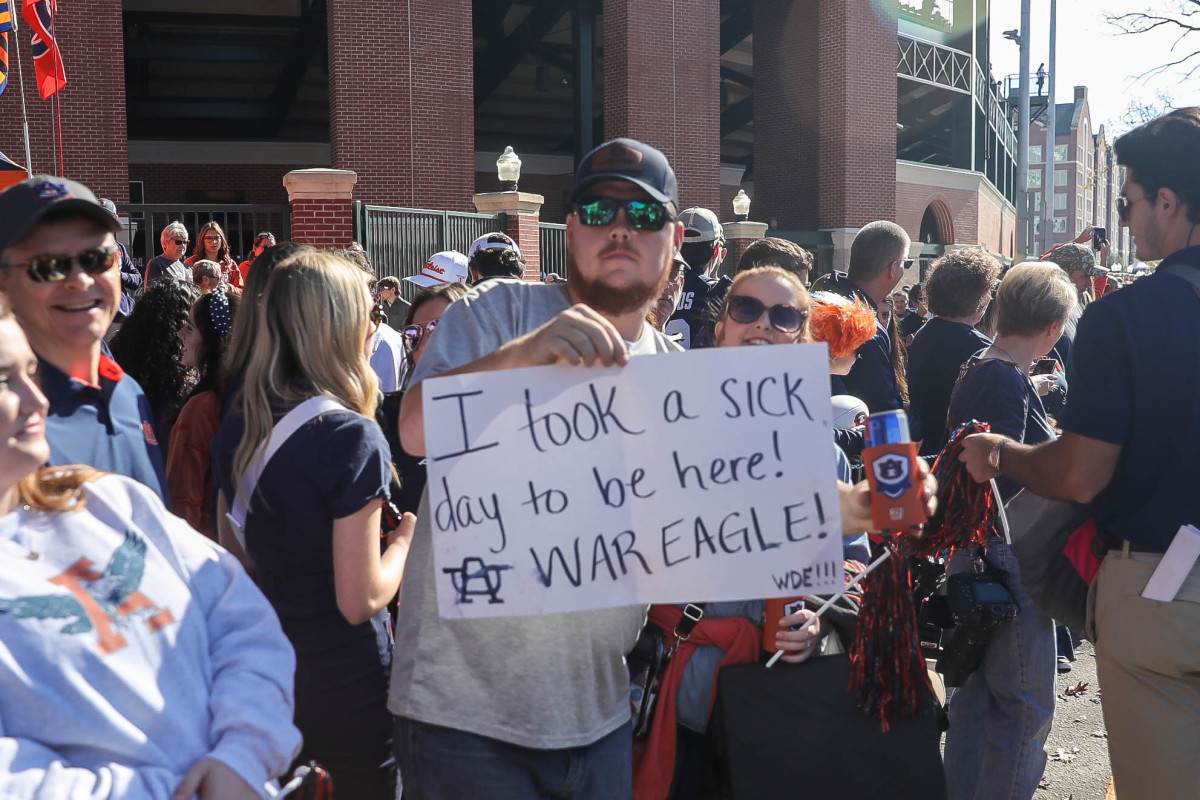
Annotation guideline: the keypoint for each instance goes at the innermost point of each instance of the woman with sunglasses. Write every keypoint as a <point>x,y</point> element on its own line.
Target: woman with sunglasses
<point>419,324</point>
<point>212,245</point>
<point>136,659</point>
<point>312,534</point>
<point>189,465</point>
<point>764,306</point>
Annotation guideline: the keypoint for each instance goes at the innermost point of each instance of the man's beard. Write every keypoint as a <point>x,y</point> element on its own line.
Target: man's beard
<point>613,301</point>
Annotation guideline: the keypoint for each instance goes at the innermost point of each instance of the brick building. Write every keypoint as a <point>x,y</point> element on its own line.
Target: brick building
<point>829,113</point>
<point>1087,179</point>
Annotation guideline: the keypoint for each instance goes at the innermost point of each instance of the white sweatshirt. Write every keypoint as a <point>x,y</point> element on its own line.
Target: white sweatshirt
<point>131,648</point>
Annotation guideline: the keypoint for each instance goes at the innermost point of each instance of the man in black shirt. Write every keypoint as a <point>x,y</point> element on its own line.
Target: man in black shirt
<point>703,249</point>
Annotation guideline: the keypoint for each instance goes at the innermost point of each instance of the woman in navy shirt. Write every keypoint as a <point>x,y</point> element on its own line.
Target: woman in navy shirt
<point>312,532</point>
<point>1000,719</point>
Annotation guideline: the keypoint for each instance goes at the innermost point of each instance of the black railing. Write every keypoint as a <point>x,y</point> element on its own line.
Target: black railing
<point>241,223</point>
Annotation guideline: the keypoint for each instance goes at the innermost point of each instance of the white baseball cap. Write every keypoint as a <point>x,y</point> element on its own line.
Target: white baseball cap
<point>448,266</point>
<point>493,241</point>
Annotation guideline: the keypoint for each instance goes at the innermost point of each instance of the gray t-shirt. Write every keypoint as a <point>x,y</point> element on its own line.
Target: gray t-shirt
<point>163,267</point>
<point>547,682</point>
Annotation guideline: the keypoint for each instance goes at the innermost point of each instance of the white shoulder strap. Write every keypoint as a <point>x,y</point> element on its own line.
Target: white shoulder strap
<point>292,421</point>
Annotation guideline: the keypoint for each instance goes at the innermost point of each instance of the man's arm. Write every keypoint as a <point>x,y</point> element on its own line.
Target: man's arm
<point>1072,467</point>
<point>579,336</point>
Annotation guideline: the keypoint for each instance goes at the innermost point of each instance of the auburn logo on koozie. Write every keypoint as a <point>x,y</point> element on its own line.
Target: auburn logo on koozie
<point>617,158</point>
<point>148,431</point>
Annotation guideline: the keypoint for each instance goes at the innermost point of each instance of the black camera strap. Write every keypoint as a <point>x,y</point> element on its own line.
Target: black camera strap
<point>692,614</point>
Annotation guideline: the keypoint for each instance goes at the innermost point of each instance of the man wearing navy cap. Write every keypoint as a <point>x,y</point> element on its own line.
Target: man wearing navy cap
<point>535,706</point>
<point>58,269</point>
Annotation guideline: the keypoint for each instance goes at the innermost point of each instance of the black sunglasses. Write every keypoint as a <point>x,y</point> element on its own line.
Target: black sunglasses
<point>642,215</point>
<point>414,333</point>
<point>56,266</point>
<point>748,310</point>
<point>1125,206</point>
<point>178,242</point>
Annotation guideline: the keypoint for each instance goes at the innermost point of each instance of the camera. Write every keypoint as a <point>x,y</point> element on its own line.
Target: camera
<point>1099,238</point>
<point>979,602</point>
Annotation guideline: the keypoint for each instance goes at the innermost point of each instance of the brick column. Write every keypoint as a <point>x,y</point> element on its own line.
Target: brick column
<point>322,206</point>
<point>824,113</point>
<point>662,70</point>
<point>401,100</point>
<point>738,236</point>
<point>95,148</point>
<point>786,118</point>
<point>522,215</point>
<point>858,113</point>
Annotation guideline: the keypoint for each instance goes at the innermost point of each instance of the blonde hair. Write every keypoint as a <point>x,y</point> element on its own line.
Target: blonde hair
<point>804,303</point>
<point>1031,296</point>
<point>308,340</point>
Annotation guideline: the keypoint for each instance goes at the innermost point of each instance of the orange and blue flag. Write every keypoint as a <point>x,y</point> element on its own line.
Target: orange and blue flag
<point>47,60</point>
<point>5,16</point>
<point>3,61</point>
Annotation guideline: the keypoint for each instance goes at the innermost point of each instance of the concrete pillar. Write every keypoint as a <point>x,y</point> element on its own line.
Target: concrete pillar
<point>521,221</point>
<point>401,100</point>
<point>95,150</point>
<point>322,206</point>
<point>738,236</point>
<point>662,71</point>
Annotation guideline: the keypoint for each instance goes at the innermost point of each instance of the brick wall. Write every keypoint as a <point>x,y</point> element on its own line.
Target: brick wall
<point>322,223</point>
<point>977,219</point>
<point>857,79</point>
<point>524,230</point>
<point>93,101</point>
<point>662,86</point>
<point>786,114</point>
<point>401,100</point>
<point>169,183</point>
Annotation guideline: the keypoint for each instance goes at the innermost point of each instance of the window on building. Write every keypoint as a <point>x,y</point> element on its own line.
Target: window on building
<point>1060,177</point>
<point>1035,154</point>
<point>1079,156</point>
<point>1035,179</point>
<point>1060,152</point>
<point>1060,202</point>
<point>1060,225</point>
<point>1037,202</point>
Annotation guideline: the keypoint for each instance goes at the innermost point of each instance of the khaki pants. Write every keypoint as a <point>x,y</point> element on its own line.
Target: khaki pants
<point>1148,660</point>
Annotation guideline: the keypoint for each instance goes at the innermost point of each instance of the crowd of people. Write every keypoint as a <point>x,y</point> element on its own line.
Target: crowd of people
<point>216,556</point>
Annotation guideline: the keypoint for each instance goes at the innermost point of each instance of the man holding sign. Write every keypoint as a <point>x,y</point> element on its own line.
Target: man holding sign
<point>531,705</point>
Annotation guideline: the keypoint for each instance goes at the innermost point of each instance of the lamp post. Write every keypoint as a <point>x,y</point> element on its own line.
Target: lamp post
<point>508,168</point>
<point>1023,195</point>
<point>741,206</point>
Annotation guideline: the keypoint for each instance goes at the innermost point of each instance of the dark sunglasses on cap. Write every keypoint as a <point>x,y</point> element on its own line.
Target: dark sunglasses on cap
<point>748,310</point>
<point>413,334</point>
<point>643,215</point>
<point>56,266</point>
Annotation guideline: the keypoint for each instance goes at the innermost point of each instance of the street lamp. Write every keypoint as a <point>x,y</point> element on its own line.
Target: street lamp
<point>741,206</point>
<point>1013,36</point>
<point>508,168</point>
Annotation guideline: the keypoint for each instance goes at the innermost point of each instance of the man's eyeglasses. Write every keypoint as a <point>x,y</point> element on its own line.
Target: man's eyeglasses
<point>642,215</point>
<point>748,310</point>
<point>413,334</point>
<point>55,267</point>
<point>1125,206</point>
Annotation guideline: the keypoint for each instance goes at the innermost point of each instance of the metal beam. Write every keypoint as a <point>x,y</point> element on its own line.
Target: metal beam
<point>736,27</point>
<point>200,109</point>
<point>184,19</point>
<point>143,50</point>
<point>503,56</point>
<point>740,78</point>
<point>737,116</point>
<point>583,38</point>
<point>304,47</point>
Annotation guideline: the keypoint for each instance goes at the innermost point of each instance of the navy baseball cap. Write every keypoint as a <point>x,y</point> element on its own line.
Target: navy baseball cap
<point>628,160</point>
<point>23,205</point>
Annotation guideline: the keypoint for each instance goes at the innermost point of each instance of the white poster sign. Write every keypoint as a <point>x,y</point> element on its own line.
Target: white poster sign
<point>698,476</point>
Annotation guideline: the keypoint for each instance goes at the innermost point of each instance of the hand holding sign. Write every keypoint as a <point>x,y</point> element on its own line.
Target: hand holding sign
<point>578,336</point>
<point>699,476</point>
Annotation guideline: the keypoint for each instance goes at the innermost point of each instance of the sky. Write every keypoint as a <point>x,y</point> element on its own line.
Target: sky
<point>1093,53</point>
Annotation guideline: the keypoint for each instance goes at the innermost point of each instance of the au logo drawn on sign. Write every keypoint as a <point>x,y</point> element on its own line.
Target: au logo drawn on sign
<point>698,476</point>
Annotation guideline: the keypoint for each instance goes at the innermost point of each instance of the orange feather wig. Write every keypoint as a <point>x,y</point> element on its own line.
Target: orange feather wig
<point>840,323</point>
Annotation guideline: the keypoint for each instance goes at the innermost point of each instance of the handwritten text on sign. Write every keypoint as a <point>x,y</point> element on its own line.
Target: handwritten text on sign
<point>697,476</point>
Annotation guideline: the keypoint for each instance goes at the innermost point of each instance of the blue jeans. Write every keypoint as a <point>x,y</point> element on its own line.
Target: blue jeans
<point>1000,720</point>
<point>439,763</point>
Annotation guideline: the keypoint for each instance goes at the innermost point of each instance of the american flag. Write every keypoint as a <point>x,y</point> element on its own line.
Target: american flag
<point>47,61</point>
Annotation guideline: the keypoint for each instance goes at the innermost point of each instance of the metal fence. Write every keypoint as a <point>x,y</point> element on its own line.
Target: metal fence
<point>240,222</point>
<point>553,241</point>
<point>399,240</point>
